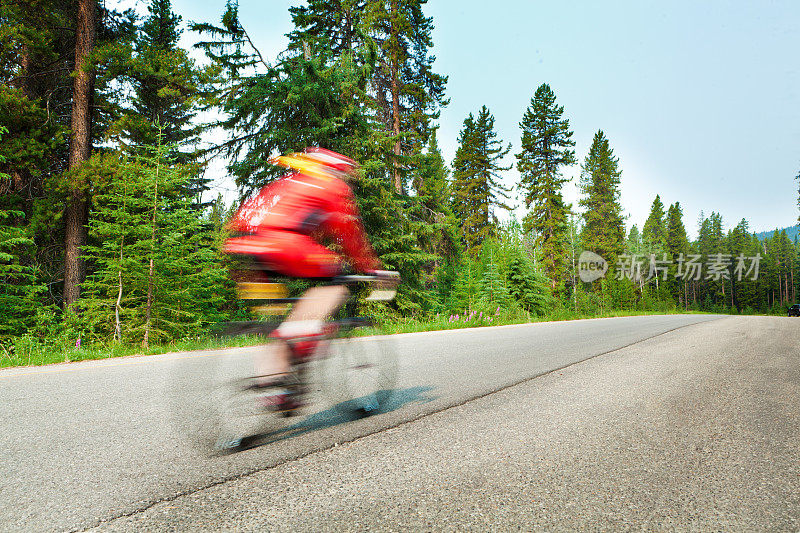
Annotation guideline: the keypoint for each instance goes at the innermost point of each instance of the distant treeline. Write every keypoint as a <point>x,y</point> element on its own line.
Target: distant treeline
<point>792,232</point>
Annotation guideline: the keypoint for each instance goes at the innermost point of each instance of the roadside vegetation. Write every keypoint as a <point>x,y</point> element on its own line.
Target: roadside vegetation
<point>26,351</point>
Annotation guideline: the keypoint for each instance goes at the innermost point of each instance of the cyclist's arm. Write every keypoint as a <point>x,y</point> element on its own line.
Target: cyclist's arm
<point>247,217</point>
<point>345,224</point>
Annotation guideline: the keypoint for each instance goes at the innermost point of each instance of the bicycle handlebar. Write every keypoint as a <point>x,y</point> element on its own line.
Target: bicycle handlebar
<point>387,276</point>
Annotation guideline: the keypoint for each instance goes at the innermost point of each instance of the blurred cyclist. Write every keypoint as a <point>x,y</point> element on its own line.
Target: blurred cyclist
<point>284,226</point>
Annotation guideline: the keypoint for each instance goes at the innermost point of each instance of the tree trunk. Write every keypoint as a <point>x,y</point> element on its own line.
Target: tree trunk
<point>117,308</point>
<point>79,151</point>
<point>25,69</point>
<point>786,285</point>
<point>685,294</point>
<point>395,82</point>
<point>17,181</point>
<point>148,311</point>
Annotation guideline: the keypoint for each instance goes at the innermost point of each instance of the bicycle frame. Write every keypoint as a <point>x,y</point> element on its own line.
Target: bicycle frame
<point>270,293</point>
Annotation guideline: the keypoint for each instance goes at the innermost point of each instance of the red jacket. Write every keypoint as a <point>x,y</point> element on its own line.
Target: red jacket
<point>309,205</point>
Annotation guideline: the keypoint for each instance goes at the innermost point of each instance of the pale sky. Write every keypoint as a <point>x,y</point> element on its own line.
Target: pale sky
<point>699,100</point>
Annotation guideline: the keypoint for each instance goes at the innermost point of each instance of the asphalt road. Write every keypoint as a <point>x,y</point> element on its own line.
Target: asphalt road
<point>686,422</point>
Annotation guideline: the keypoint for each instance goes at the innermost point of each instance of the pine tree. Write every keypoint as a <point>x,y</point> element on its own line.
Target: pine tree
<point>546,148</point>
<point>157,275</point>
<point>336,26</point>
<point>390,43</point>
<point>35,93</point>
<point>113,294</point>
<point>464,295</point>
<point>35,99</point>
<point>798,194</point>
<point>634,245</point>
<point>438,235</point>
<point>51,50</point>
<point>677,242</point>
<point>19,290</point>
<point>394,236</point>
<point>477,191</point>
<point>492,290</point>
<point>716,288</point>
<point>166,86</point>
<point>408,93</point>
<point>603,231</point>
<point>738,245</point>
<point>80,148</point>
<point>313,99</point>
<point>529,287</point>
<point>168,90</point>
<point>677,246</point>
<point>654,231</point>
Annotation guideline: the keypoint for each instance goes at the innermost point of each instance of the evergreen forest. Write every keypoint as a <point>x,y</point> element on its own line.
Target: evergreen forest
<point>111,234</point>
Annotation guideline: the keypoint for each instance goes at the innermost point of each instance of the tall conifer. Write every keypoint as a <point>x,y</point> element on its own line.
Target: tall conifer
<point>477,190</point>
<point>798,194</point>
<point>19,288</point>
<point>166,85</point>
<point>408,93</point>
<point>677,246</point>
<point>603,231</point>
<point>546,148</point>
<point>654,232</point>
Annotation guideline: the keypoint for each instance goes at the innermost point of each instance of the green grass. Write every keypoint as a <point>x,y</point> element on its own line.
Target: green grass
<point>476,320</point>
<point>25,351</point>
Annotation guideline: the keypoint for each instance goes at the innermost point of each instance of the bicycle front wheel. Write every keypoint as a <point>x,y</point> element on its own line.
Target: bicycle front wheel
<point>360,373</point>
<point>244,412</point>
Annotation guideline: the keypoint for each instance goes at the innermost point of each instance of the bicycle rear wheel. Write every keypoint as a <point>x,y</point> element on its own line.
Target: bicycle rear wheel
<point>360,373</point>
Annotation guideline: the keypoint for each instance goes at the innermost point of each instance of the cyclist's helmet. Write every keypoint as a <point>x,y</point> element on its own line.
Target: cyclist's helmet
<point>320,162</point>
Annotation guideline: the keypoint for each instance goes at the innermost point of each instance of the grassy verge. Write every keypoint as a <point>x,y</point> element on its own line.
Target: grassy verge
<point>477,320</point>
<point>27,352</point>
<point>33,354</point>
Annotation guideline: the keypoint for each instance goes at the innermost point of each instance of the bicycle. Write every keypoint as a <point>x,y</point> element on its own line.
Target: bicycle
<point>356,374</point>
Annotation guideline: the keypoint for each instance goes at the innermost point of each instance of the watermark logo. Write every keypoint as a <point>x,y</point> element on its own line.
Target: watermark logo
<point>591,267</point>
<point>642,269</point>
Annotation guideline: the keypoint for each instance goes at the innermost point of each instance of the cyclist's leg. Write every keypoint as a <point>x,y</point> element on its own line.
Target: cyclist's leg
<point>298,255</point>
<point>315,306</point>
<point>306,320</point>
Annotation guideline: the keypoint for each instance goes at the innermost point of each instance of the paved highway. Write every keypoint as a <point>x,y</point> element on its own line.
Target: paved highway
<point>656,422</point>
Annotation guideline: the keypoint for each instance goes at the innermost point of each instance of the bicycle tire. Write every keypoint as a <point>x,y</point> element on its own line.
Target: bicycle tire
<point>359,374</point>
<point>240,416</point>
